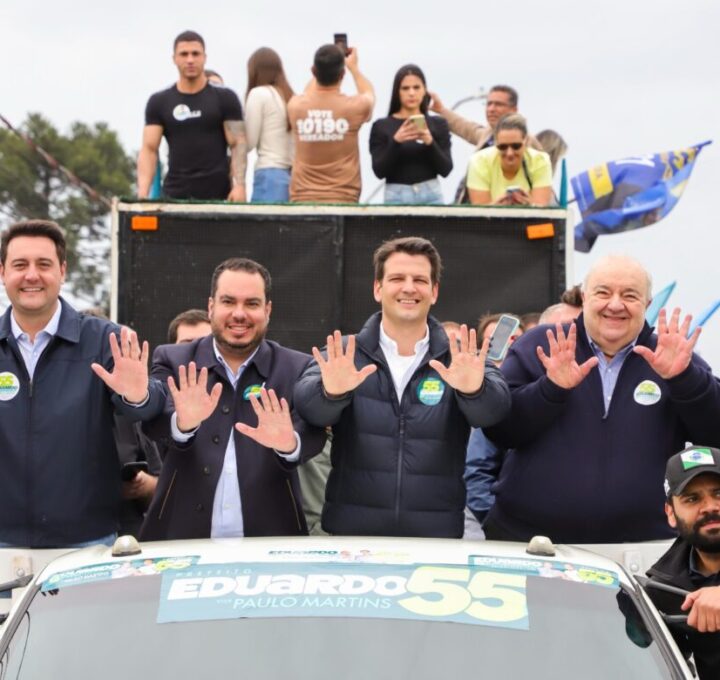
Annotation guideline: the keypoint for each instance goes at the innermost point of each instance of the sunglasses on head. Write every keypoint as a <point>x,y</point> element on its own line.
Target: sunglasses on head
<point>515,146</point>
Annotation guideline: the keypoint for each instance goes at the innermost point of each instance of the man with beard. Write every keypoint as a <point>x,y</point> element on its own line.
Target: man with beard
<point>692,486</point>
<point>222,476</point>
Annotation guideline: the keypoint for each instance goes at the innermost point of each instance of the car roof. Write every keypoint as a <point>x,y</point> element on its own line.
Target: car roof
<point>335,549</point>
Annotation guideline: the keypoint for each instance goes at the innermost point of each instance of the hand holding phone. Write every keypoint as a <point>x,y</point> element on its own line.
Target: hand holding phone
<point>129,471</point>
<point>418,121</point>
<point>501,338</point>
<point>341,40</point>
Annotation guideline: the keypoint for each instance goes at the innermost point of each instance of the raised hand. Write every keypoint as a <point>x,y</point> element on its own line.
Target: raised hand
<point>674,348</point>
<point>275,427</point>
<point>192,402</point>
<point>339,375</point>
<point>562,366</point>
<point>129,377</point>
<point>467,364</point>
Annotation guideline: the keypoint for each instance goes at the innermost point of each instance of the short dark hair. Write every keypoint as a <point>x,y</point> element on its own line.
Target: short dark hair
<point>573,296</point>
<point>190,317</point>
<point>329,63</point>
<point>511,92</point>
<point>241,264</point>
<point>407,70</point>
<point>188,36</point>
<point>412,245</point>
<point>46,228</point>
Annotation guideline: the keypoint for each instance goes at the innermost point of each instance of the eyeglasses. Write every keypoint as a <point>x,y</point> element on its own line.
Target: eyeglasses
<point>515,146</point>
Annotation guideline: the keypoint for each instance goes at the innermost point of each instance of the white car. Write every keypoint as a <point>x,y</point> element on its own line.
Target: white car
<point>335,608</point>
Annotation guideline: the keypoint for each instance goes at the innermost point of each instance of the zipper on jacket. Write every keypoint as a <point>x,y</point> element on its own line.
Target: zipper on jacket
<point>398,479</point>
<point>167,495</point>
<point>294,505</point>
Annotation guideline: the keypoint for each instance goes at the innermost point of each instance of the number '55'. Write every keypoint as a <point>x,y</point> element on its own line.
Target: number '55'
<point>452,594</point>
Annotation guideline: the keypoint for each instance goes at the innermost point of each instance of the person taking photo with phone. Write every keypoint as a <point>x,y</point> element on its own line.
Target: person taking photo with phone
<point>510,173</point>
<point>409,147</point>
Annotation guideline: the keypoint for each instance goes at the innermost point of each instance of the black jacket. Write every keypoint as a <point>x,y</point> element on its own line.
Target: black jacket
<point>397,469</point>
<point>269,489</point>
<point>673,568</point>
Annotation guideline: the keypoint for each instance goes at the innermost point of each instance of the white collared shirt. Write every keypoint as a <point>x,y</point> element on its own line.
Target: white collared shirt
<point>227,519</point>
<point>30,350</point>
<point>402,367</point>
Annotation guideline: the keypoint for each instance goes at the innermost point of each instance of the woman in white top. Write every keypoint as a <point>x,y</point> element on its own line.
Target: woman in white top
<point>267,127</point>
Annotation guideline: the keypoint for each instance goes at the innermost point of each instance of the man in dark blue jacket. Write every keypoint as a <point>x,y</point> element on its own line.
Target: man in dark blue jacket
<point>233,439</point>
<point>598,408</point>
<point>401,400</point>
<point>61,380</point>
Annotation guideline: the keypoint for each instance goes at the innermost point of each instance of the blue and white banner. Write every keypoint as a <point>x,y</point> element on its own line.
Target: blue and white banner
<point>630,193</point>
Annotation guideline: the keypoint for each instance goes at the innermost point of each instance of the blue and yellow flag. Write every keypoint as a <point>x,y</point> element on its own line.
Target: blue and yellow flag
<point>630,193</point>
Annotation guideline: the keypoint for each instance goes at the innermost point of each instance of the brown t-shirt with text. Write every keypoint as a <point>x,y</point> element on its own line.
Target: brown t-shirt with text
<point>325,126</point>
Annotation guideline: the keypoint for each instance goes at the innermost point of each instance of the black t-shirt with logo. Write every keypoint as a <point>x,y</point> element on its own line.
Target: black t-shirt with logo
<point>193,127</point>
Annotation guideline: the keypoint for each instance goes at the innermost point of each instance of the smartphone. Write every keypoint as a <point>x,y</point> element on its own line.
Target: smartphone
<point>340,39</point>
<point>500,339</point>
<point>419,121</point>
<point>129,471</point>
<point>512,190</point>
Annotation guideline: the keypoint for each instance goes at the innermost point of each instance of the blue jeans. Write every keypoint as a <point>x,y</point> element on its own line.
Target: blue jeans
<point>422,193</point>
<point>271,185</point>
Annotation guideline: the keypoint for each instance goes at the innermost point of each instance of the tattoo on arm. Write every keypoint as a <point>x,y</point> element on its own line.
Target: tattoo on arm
<point>235,136</point>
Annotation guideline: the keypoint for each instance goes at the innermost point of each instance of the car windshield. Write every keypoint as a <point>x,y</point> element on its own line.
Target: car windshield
<point>150,627</point>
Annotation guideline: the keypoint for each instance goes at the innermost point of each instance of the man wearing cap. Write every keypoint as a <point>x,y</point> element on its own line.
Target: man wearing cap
<point>692,487</point>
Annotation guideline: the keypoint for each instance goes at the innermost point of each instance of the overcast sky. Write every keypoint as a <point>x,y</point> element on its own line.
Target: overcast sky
<point>616,79</point>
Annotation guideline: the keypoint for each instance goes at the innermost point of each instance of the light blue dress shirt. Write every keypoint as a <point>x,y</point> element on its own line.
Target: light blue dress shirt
<point>31,351</point>
<point>610,369</point>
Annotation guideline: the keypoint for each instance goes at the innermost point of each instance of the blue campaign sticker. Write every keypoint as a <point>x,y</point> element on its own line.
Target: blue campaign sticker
<point>251,389</point>
<point>113,570</point>
<point>549,569</point>
<point>430,391</point>
<point>432,592</point>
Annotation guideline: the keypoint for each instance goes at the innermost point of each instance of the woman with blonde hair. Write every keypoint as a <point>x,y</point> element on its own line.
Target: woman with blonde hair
<point>510,173</point>
<point>267,127</point>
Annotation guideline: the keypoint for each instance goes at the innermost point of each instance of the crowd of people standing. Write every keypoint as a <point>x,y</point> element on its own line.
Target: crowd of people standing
<point>307,143</point>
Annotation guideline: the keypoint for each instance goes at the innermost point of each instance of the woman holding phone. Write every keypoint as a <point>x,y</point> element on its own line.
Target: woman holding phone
<point>510,173</point>
<point>267,127</point>
<point>410,148</point>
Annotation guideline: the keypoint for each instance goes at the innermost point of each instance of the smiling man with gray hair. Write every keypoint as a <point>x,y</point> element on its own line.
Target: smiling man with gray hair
<point>598,408</point>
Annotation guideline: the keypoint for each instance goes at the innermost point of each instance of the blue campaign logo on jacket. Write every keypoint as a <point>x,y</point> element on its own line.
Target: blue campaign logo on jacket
<point>630,193</point>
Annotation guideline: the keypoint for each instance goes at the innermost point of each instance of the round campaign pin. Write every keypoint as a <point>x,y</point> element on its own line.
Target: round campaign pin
<point>251,389</point>
<point>430,391</point>
<point>9,386</point>
<point>647,393</point>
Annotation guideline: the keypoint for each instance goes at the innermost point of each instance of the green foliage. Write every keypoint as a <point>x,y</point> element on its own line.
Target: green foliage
<point>31,188</point>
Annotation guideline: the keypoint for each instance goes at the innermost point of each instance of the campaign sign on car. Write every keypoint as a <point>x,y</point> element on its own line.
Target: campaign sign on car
<point>464,594</point>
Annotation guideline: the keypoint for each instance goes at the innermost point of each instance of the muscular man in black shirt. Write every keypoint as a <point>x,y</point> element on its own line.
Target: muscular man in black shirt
<point>200,122</point>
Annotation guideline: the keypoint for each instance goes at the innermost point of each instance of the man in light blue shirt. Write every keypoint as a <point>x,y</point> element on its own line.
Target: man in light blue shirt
<point>61,383</point>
